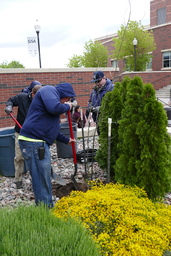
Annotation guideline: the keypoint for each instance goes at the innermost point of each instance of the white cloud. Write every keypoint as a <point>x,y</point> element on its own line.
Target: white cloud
<point>65,26</point>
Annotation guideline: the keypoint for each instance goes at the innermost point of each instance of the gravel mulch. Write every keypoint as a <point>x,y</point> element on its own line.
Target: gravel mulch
<point>64,168</point>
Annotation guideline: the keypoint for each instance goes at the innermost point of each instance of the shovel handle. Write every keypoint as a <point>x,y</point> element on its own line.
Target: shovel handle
<point>72,137</point>
<point>15,120</point>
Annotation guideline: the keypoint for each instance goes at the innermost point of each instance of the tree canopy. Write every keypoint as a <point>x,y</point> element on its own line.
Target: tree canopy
<point>12,64</point>
<point>95,55</point>
<point>124,48</point>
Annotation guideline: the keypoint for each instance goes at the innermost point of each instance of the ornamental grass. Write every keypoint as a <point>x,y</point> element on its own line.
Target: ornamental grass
<point>34,231</point>
<point>121,219</point>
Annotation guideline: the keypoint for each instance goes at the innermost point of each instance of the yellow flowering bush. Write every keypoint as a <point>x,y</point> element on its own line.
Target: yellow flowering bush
<point>121,219</point>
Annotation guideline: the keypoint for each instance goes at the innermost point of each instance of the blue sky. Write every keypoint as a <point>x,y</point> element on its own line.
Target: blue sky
<point>65,26</point>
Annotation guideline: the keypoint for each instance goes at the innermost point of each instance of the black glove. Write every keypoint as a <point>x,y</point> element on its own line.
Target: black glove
<point>8,109</point>
<point>90,109</point>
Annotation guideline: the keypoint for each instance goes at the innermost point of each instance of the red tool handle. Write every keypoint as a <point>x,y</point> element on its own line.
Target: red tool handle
<point>15,120</point>
<point>72,137</point>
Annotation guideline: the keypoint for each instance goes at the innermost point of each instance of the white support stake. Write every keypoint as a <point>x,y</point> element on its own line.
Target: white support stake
<point>109,126</point>
<point>109,148</point>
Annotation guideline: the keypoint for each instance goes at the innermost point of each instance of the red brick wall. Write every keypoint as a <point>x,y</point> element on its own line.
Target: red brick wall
<point>158,4</point>
<point>12,84</point>
<point>157,79</point>
<point>162,38</point>
<point>13,81</point>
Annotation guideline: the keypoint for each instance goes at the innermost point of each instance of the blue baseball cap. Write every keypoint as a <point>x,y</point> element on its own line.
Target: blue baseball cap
<point>97,76</point>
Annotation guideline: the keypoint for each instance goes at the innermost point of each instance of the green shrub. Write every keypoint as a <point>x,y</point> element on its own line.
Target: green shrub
<point>111,107</point>
<point>121,219</point>
<point>34,231</point>
<point>140,144</point>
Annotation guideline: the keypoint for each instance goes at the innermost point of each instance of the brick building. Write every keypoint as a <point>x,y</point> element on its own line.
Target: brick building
<point>160,24</point>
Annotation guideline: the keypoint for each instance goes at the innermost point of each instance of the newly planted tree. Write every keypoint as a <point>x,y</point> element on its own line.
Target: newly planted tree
<point>154,165</point>
<point>129,144</point>
<point>109,111</point>
<point>140,145</point>
<point>112,106</point>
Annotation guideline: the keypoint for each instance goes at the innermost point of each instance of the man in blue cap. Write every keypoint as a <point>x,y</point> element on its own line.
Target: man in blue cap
<point>102,86</point>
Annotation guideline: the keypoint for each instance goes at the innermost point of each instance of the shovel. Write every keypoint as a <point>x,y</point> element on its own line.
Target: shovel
<point>15,120</point>
<point>57,178</point>
<point>53,175</point>
<point>82,127</point>
<point>73,150</point>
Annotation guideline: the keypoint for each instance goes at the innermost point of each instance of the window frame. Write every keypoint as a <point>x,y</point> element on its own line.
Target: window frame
<point>114,61</point>
<point>166,53</point>
<point>161,16</point>
<point>149,64</point>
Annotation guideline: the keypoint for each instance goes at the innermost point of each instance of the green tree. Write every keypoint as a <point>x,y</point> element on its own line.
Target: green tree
<point>145,157</point>
<point>75,61</point>
<point>95,55</point>
<point>129,143</point>
<point>124,48</point>
<point>12,64</point>
<point>112,106</point>
<point>140,144</point>
<point>154,165</point>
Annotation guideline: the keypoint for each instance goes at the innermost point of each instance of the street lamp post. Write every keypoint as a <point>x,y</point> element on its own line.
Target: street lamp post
<point>37,29</point>
<point>135,46</point>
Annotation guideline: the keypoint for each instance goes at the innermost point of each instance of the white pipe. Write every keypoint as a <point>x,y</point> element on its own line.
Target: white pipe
<point>109,126</point>
<point>109,148</point>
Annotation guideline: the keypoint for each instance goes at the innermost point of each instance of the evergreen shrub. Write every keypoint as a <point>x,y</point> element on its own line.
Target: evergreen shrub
<point>140,144</point>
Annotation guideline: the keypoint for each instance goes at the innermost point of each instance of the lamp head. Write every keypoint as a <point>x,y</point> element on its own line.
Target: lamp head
<point>135,41</point>
<point>37,28</point>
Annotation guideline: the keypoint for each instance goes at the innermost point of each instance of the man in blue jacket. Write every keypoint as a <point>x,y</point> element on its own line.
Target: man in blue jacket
<point>102,86</point>
<point>40,129</point>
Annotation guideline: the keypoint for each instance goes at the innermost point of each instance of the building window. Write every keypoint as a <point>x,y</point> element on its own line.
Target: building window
<point>114,63</point>
<point>149,64</point>
<point>166,59</point>
<point>126,67</point>
<point>161,16</point>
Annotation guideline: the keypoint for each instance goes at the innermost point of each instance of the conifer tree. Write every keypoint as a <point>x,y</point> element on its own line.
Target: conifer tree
<point>112,105</point>
<point>108,110</point>
<point>154,165</point>
<point>140,146</point>
<point>129,144</point>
